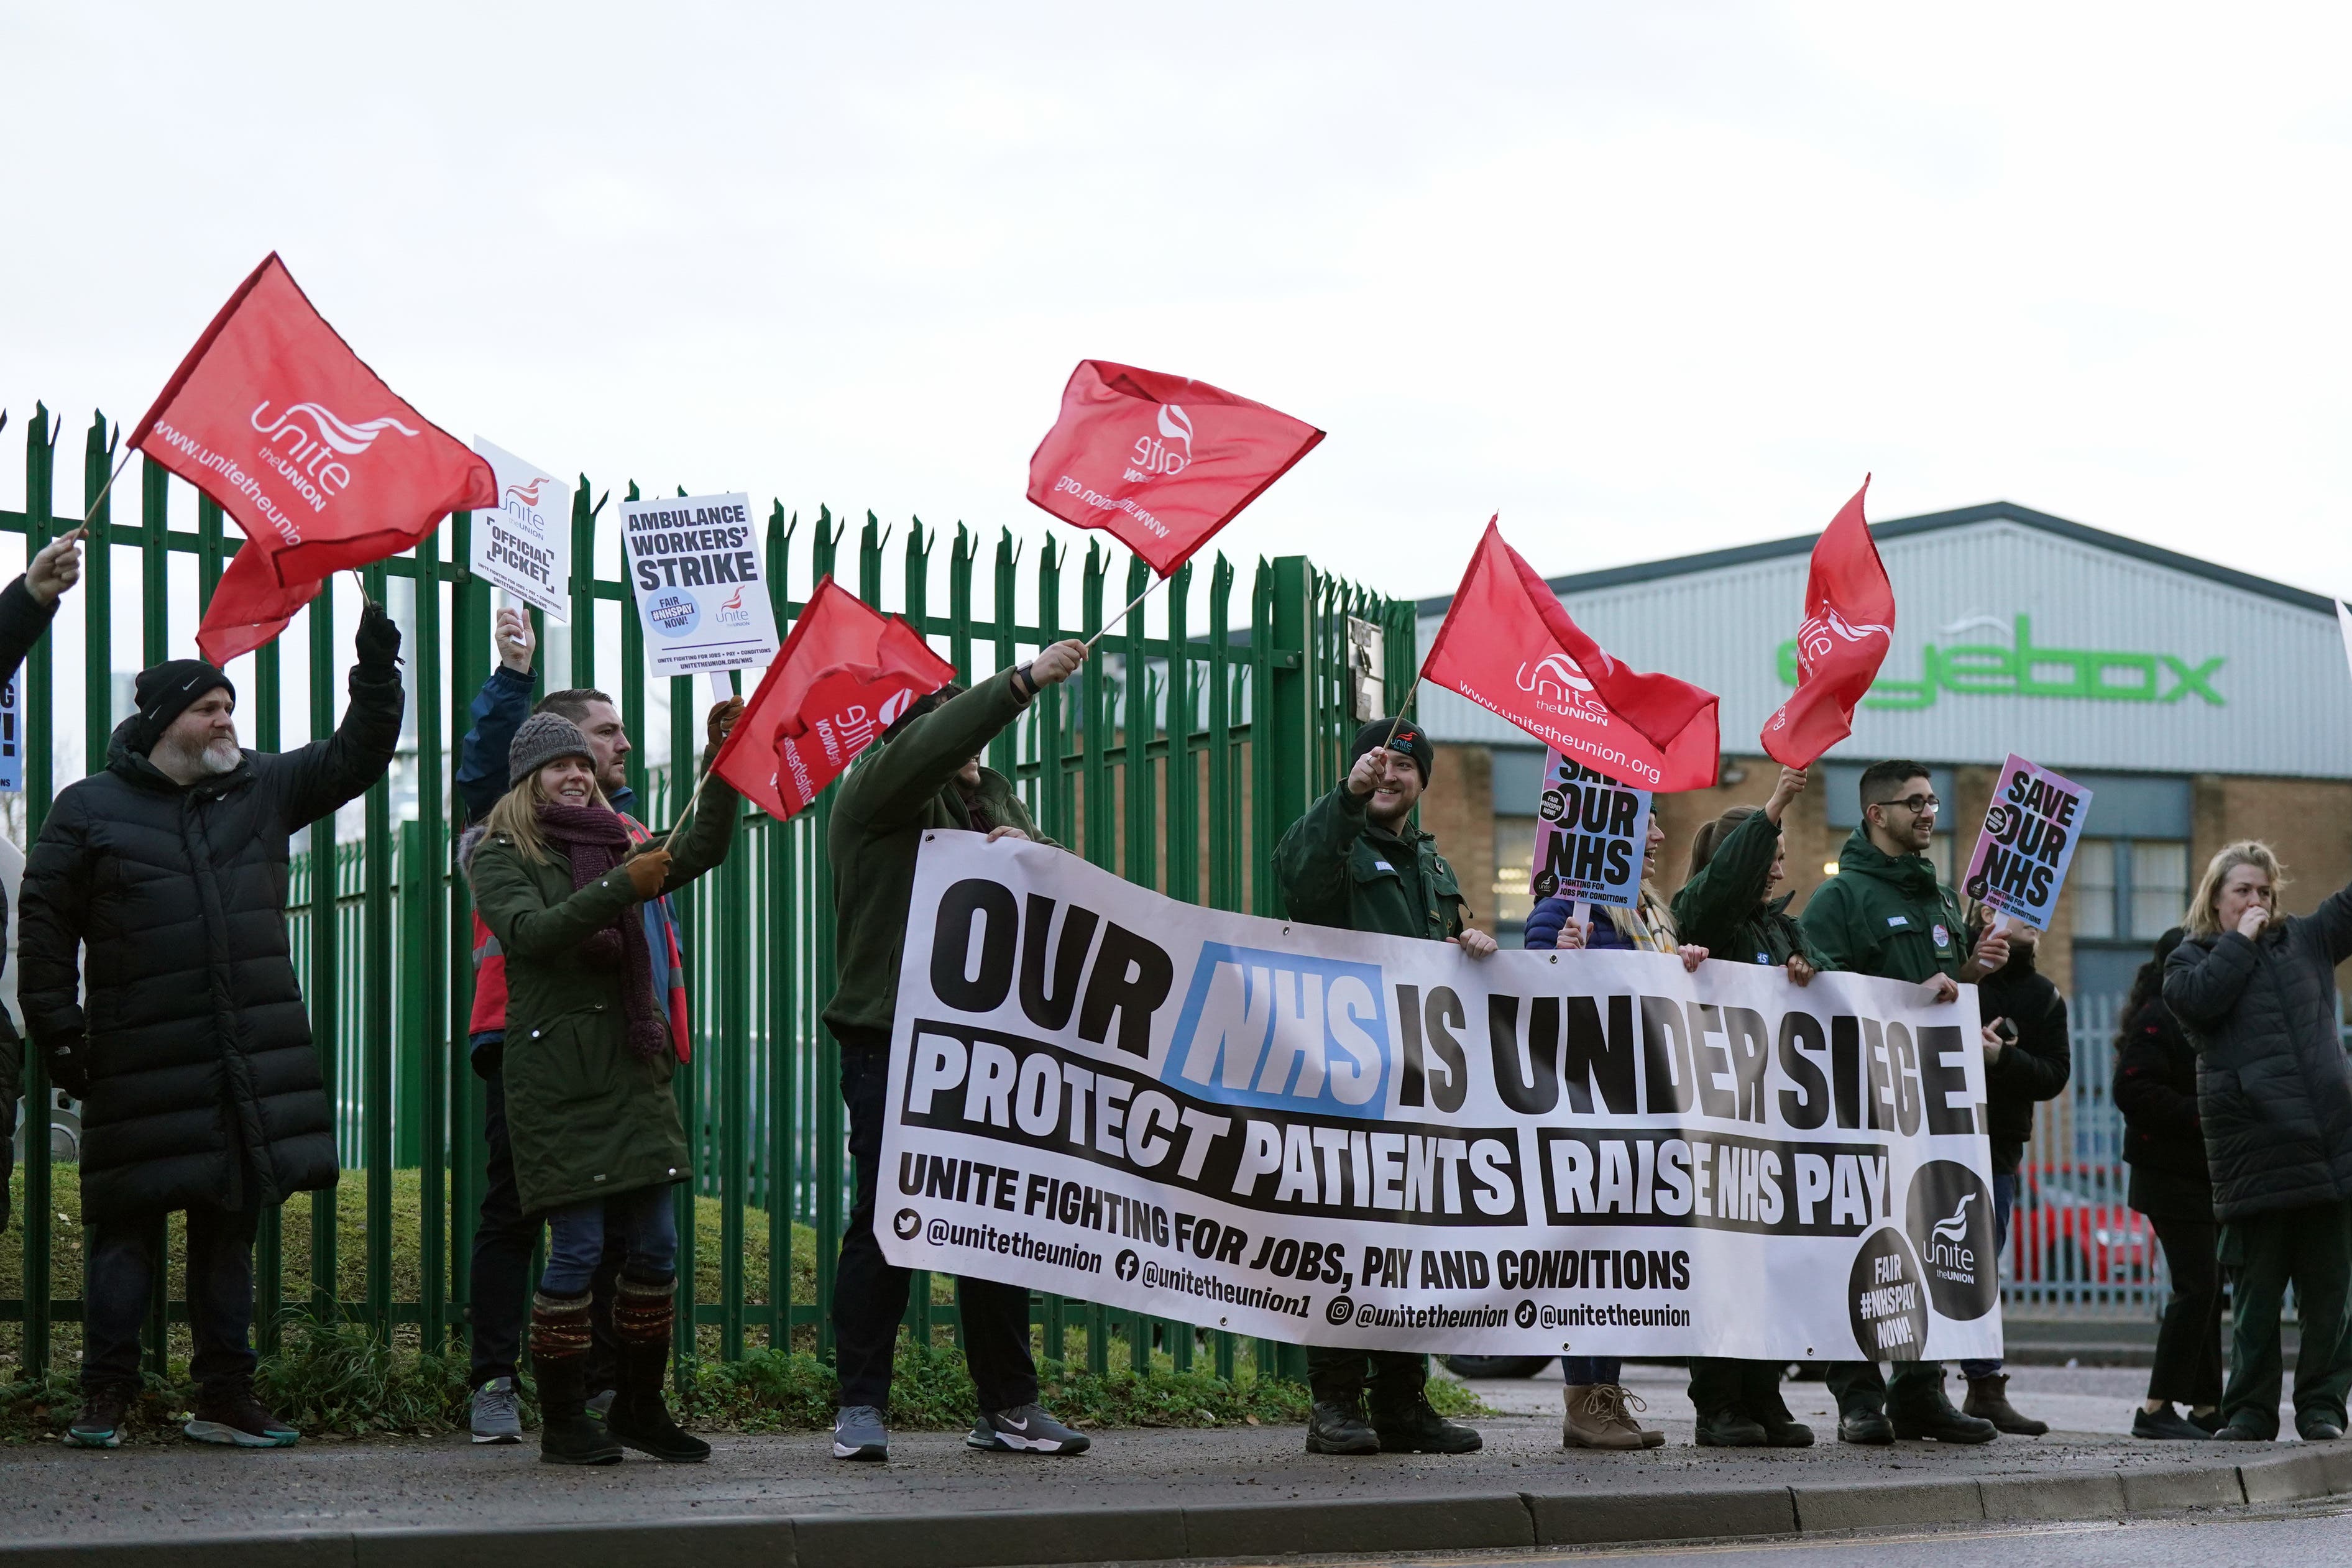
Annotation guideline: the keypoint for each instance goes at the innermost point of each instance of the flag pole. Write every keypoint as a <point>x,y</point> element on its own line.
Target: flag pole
<point>120,465</point>
<point>1122,614</point>
<point>1411,692</point>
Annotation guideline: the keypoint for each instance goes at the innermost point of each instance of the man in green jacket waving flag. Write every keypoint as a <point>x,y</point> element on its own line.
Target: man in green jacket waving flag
<point>1884,913</point>
<point>1356,861</point>
<point>924,776</point>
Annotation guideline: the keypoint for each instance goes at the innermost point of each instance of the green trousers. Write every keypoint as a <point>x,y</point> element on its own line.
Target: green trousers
<point>1718,1384</point>
<point>1395,1379</point>
<point>2313,1247</point>
<point>1860,1385</point>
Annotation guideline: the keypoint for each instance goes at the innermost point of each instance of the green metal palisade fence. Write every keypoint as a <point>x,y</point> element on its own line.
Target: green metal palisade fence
<point>1176,761</point>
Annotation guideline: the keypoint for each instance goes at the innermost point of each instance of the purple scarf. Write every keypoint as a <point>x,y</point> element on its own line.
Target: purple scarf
<point>596,840</point>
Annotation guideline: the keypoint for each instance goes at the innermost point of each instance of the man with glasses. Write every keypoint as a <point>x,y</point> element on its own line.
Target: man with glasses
<point>1884,913</point>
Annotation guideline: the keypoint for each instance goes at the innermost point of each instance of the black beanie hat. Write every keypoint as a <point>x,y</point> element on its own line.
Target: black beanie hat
<point>166,690</point>
<point>1409,738</point>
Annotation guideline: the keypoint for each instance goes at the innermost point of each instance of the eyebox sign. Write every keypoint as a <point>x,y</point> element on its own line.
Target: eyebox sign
<point>1590,835</point>
<point>1324,1137</point>
<point>694,566</point>
<point>2027,841</point>
<point>524,544</point>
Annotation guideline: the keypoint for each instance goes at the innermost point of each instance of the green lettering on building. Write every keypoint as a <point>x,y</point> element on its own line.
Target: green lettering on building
<point>2026,671</point>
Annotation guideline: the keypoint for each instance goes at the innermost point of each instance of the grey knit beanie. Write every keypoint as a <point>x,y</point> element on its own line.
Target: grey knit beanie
<point>543,738</point>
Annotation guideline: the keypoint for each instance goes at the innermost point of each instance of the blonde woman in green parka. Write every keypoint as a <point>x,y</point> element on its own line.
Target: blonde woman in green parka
<point>590,1053</point>
<point>1727,906</point>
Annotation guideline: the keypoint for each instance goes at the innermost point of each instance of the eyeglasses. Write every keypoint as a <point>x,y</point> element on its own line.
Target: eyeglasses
<point>1918,805</point>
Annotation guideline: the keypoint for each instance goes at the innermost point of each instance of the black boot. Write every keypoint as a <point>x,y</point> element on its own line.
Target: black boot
<point>1864,1423</point>
<point>1335,1427</point>
<point>1730,1429</point>
<point>566,1435</point>
<point>1417,1428</point>
<point>1988,1398</point>
<point>643,1319</point>
<point>1930,1414</point>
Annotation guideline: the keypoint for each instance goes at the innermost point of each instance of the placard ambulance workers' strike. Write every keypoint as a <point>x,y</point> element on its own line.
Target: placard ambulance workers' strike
<point>694,566</point>
<point>1328,1137</point>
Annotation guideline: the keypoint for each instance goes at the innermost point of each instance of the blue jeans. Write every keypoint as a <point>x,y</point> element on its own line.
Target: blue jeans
<point>645,1221</point>
<point>1579,1371</point>
<point>2004,1195</point>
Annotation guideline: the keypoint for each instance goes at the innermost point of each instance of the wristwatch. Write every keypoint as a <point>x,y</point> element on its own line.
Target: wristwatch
<point>1024,681</point>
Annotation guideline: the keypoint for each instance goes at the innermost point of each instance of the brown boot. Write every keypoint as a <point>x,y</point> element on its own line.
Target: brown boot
<point>1599,1417</point>
<point>1988,1400</point>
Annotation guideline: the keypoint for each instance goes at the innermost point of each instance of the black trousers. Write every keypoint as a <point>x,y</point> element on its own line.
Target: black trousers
<point>1860,1385</point>
<point>1718,1384</point>
<point>2187,1368</point>
<point>869,1294</point>
<point>504,1239</point>
<point>1394,1379</point>
<point>125,1256</point>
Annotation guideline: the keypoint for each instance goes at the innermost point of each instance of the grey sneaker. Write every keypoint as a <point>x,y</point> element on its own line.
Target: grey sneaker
<point>1025,1430</point>
<point>858,1434</point>
<point>498,1418</point>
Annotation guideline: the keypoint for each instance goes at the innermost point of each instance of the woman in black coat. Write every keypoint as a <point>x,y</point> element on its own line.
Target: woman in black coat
<point>2164,1143</point>
<point>2256,991</point>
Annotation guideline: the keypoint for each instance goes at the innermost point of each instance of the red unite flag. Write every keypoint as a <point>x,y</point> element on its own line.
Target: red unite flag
<point>1849,625</point>
<point>1508,646</point>
<point>846,674</point>
<point>1159,462</point>
<point>272,416</point>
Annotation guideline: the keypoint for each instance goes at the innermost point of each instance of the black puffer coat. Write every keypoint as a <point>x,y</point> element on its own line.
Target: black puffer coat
<point>203,1084</point>
<point>2273,1089</point>
<point>2035,1066</point>
<point>2164,1140</point>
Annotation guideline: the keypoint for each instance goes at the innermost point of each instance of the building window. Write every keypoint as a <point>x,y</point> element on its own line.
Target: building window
<point>2128,890</point>
<point>1515,863</point>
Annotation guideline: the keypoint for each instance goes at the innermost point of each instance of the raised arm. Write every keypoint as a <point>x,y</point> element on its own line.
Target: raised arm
<point>320,776</point>
<point>2333,919</point>
<point>1310,864</point>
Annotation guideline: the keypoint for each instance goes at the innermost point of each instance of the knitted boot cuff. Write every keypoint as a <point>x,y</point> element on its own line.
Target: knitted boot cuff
<point>643,1311</point>
<point>558,1326</point>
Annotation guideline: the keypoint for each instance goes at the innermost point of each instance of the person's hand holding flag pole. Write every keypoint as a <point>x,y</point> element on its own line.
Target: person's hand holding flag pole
<point>1159,462</point>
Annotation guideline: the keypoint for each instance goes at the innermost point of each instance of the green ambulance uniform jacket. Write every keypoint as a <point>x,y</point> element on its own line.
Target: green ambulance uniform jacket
<point>1723,908</point>
<point>1336,868</point>
<point>895,794</point>
<point>1886,916</point>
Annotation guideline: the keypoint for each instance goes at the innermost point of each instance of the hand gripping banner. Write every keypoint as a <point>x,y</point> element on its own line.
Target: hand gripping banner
<point>1313,1136</point>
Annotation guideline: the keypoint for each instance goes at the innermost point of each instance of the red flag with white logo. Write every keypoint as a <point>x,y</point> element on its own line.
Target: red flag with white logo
<point>1848,627</point>
<point>248,608</point>
<point>1508,646</point>
<point>1159,462</point>
<point>272,416</point>
<point>844,676</point>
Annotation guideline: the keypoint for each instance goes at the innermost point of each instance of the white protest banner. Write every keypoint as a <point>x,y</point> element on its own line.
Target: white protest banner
<point>2030,831</point>
<point>1590,835</point>
<point>525,546</point>
<point>694,563</point>
<point>1313,1136</point>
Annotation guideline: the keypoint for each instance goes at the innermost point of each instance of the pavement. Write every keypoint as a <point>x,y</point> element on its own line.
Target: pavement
<point>1142,1495</point>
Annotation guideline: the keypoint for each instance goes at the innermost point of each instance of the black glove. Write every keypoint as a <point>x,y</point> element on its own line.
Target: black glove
<point>378,641</point>
<point>69,1066</point>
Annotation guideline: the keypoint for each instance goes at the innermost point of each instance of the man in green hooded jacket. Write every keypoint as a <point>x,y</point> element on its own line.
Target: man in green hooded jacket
<point>1356,861</point>
<point>1884,913</point>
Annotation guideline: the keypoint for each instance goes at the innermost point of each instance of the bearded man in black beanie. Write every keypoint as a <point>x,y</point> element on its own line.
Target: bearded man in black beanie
<point>1357,861</point>
<point>164,872</point>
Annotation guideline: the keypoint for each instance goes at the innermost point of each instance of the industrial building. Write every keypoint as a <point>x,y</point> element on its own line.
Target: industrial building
<point>2200,703</point>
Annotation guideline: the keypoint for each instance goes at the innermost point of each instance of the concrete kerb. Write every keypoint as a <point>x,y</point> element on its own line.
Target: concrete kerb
<point>1011,1538</point>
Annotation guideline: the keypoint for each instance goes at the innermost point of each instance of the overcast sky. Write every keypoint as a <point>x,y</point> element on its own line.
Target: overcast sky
<point>1644,278</point>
